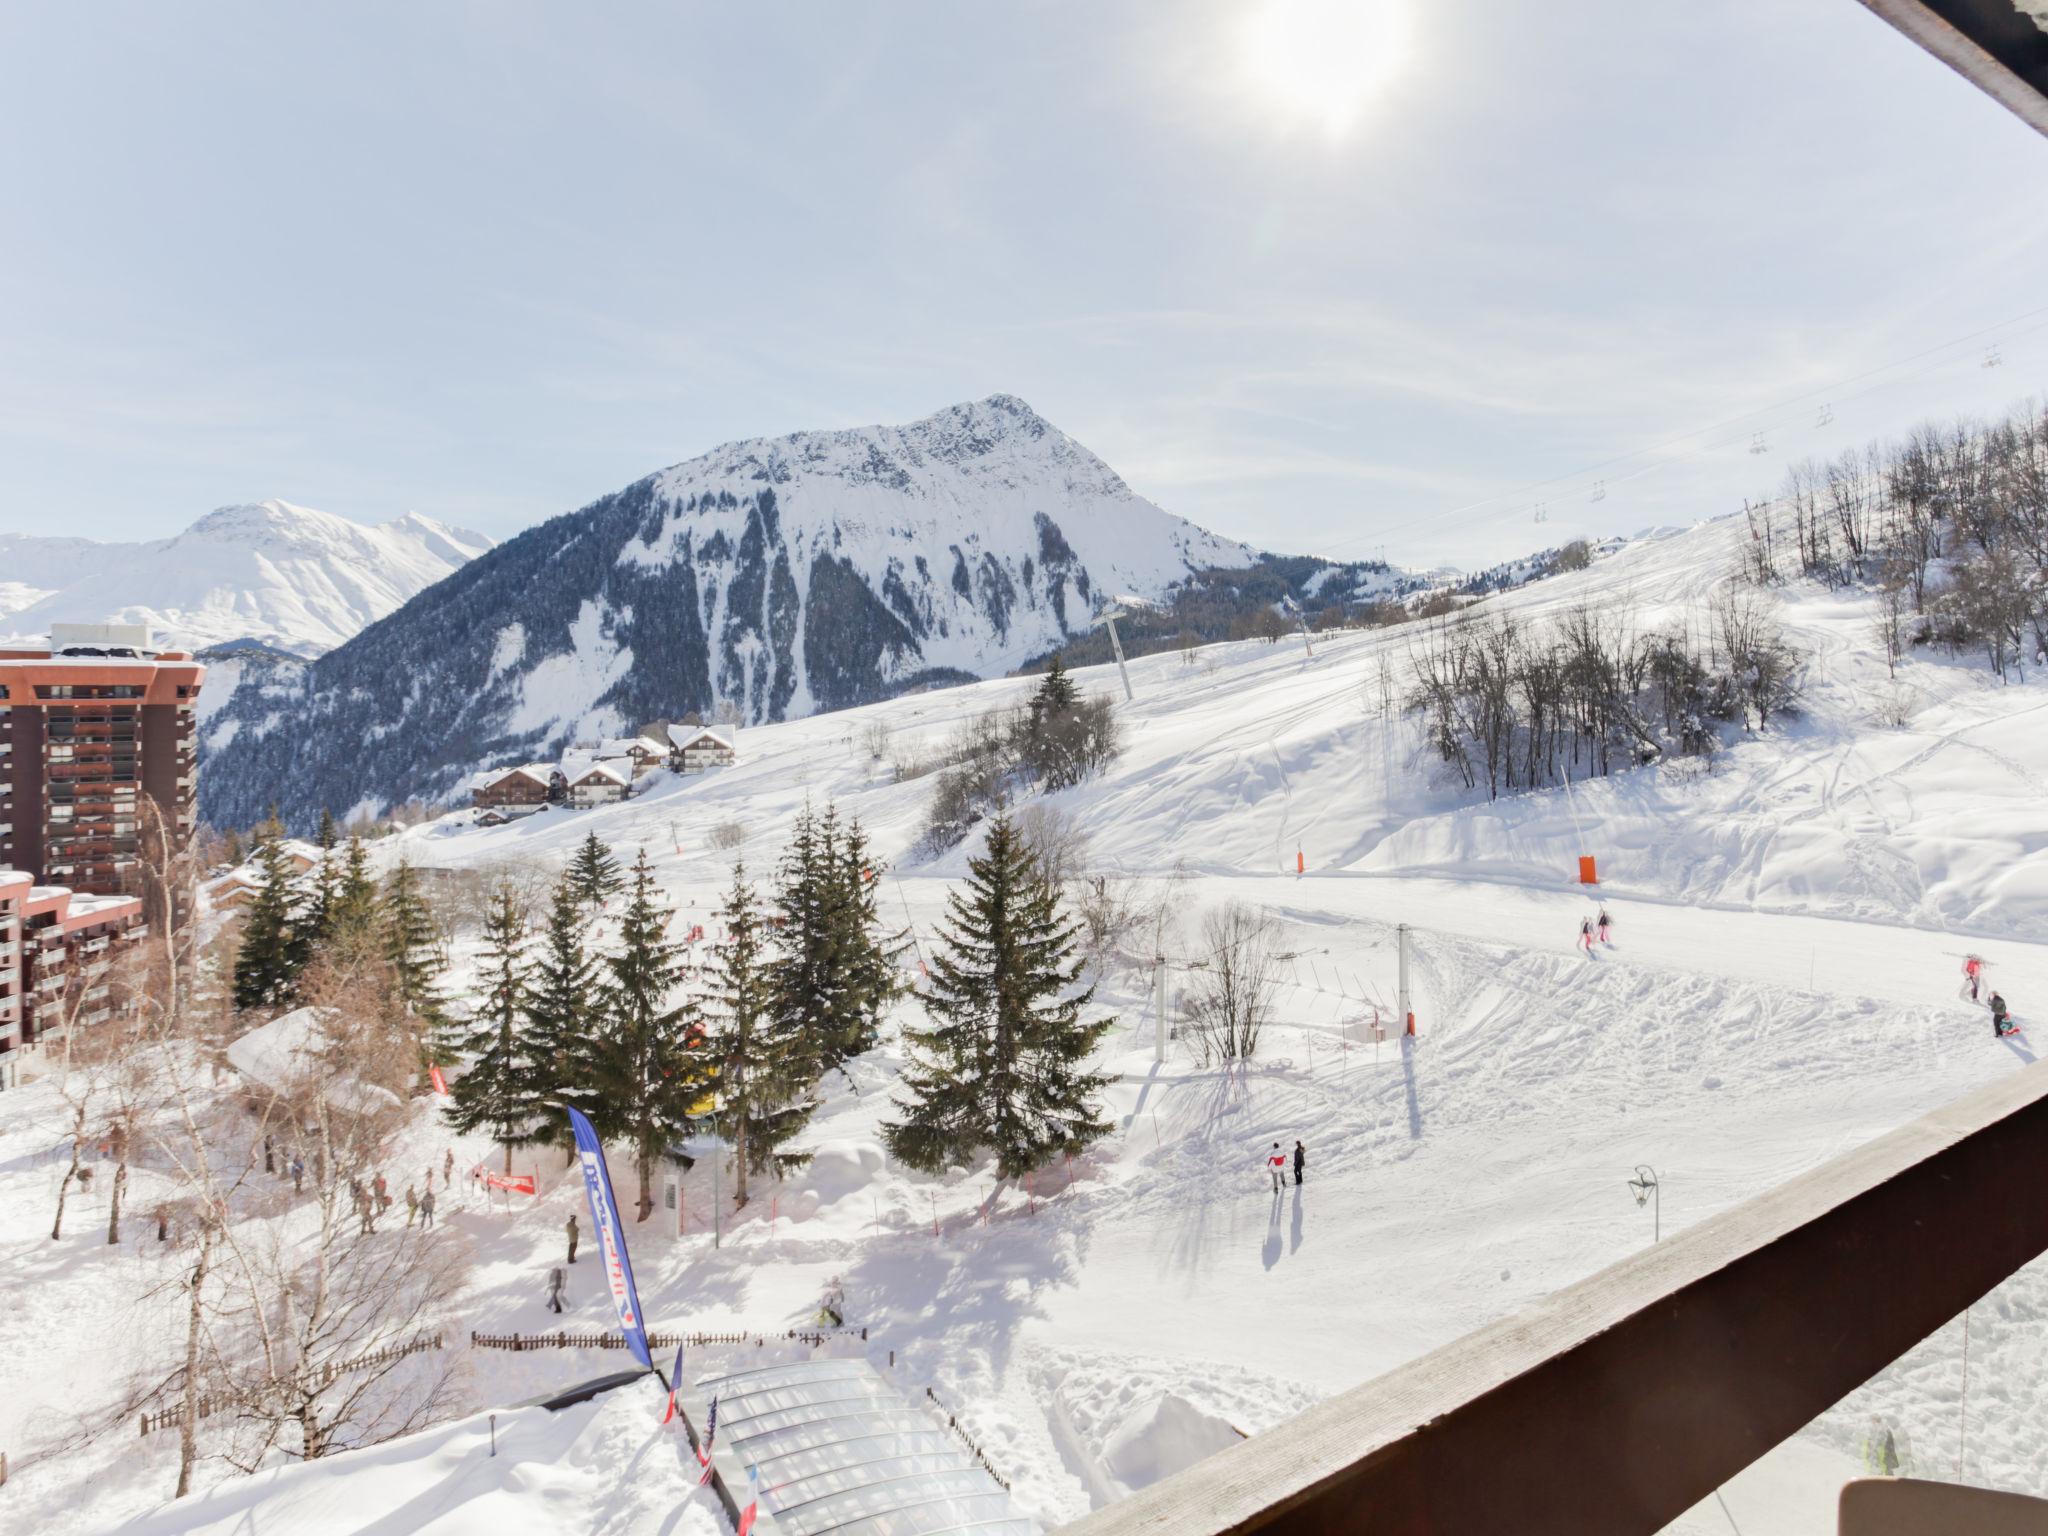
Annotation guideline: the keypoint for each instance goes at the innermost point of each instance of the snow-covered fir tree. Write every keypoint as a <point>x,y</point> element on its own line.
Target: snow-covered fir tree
<point>352,918</point>
<point>763,1061</point>
<point>559,1012</point>
<point>803,981</point>
<point>274,946</point>
<point>324,898</point>
<point>412,948</point>
<point>499,1089</point>
<point>1003,1067</point>
<point>648,1065</point>
<point>870,948</point>
<point>594,872</point>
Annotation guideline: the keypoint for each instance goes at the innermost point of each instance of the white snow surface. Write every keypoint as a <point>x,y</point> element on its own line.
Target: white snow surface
<point>1784,984</point>
<point>291,577</point>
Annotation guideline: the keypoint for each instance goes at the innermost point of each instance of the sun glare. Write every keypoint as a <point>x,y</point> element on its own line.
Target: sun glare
<point>1320,61</point>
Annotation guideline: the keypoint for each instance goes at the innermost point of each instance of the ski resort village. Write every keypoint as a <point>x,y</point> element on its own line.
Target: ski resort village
<point>1348,920</point>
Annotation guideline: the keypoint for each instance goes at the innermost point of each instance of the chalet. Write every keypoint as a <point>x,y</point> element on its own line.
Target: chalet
<point>526,787</point>
<point>644,752</point>
<point>600,782</point>
<point>695,748</point>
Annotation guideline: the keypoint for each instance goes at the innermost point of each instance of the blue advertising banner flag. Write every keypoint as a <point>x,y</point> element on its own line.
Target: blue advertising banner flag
<point>611,1236</point>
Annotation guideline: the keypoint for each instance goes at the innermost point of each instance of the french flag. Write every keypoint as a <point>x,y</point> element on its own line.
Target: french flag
<point>704,1451</point>
<point>753,1500</point>
<point>675,1383</point>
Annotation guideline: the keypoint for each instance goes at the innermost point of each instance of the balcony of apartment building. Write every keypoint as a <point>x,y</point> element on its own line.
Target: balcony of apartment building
<point>1801,1362</point>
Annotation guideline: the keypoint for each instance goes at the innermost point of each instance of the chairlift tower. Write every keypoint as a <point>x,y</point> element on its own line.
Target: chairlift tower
<point>1645,1188</point>
<point>1107,618</point>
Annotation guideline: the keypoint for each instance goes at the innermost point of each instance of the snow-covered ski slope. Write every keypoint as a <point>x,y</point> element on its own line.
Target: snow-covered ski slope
<point>1784,983</point>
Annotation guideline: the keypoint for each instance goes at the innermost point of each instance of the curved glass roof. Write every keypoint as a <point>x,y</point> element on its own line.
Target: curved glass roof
<point>839,1451</point>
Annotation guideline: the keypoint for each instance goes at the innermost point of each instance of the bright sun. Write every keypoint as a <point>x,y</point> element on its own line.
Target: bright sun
<point>1321,60</point>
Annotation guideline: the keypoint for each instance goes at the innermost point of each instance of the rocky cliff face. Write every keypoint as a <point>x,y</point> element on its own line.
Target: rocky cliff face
<point>775,576</point>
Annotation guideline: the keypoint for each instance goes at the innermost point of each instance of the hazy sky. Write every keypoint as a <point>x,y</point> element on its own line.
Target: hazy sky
<point>1318,273</point>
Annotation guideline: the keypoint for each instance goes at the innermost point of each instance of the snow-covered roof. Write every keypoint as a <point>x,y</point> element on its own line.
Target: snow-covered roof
<point>700,735</point>
<point>540,773</point>
<point>292,1053</point>
<point>618,769</point>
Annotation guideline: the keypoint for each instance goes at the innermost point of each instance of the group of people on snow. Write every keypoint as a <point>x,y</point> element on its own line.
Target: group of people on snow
<point>2001,1016</point>
<point>1276,1164</point>
<point>1590,927</point>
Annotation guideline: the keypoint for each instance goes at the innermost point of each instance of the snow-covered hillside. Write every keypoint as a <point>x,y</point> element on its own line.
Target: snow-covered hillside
<point>1784,984</point>
<point>286,576</point>
<point>775,576</point>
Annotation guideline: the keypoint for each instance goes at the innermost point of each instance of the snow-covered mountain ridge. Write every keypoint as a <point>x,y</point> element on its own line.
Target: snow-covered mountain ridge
<point>775,577</point>
<point>290,577</point>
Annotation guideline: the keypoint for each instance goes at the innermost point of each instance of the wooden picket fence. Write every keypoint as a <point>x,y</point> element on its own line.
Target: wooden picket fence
<point>563,1339</point>
<point>967,1440</point>
<point>164,1418</point>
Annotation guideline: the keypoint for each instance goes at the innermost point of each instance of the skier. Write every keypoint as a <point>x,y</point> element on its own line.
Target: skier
<point>1606,923</point>
<point>383,1188</point>
<point>412,1204</point>
<point>298,1174</point>
<point>1586,934</point>
<point>2001,1018</point>
<point>448,1169</point>
<point>572,1239</point>
<point>556,1280</point>
<point>1973,969</point>
<point>1300,1161</point>
<point>427,1209</point>
<point>1276,1164</point>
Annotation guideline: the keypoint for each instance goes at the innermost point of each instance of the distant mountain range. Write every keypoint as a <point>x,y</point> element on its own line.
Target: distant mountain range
<point>286,577</point>
<point>775,577</point>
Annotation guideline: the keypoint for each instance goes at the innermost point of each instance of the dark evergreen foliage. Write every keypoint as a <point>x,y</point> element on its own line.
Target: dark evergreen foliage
<point>648,1065</point>
<point>763,1061</point>
<point>1003,1067</point>
<point>560,1008</point>
<point>274,946</point>
<point>594,873</point>
<point>500,1088</point>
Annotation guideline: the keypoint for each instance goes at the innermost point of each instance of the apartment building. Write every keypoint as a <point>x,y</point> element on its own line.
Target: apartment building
<point>89,729</point>
<point>58,950</point>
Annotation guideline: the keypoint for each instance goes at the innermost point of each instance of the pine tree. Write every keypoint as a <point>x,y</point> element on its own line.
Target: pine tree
<point>232,850</point>
<point>352,915</point>
<point>497,1090</point>
<point>412,948</point>
<point>560,1015</point>
<point>1056,693</point>
<point>1002,1068</point>
<point>326,894</point>
<point>274,947</point>
<point>763,1063</point>
<point>868,956</point>
<point>595,873</point>
<point>330,834</point>
<point>803,981</point>
<point>648,1065</point>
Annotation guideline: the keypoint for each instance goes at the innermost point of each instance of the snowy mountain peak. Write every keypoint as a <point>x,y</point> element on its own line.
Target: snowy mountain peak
<point>1000,440</point>
<point>291,577</point>
<point>776,576</point>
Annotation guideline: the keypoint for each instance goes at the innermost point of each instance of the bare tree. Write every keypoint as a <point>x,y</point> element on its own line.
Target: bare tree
<point>1055,838</point>
<point>1228,1000</point>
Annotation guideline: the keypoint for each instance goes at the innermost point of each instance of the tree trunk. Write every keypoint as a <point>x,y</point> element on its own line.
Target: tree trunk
<point>739,1143</point>
<point>64,1189</point>
<point>644,1165</point>
<point>114,1203</point>
<point>188,1416</point>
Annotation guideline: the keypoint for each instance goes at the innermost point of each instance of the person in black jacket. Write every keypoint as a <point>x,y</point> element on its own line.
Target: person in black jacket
<point>2001,1019</point>
<point>1300,1160</point>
